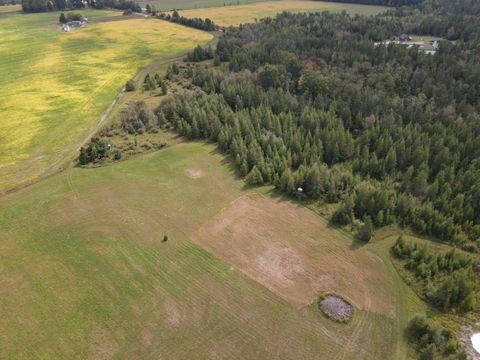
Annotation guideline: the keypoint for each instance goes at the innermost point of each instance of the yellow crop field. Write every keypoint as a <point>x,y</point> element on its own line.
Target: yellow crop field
<point>54,85</point>
<point>247,13</point>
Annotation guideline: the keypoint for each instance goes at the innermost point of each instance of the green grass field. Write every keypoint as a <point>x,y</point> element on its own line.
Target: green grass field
<point>85,274</point>
<point>54,85</point>
<point>165,5</point>
<point>246,13</point>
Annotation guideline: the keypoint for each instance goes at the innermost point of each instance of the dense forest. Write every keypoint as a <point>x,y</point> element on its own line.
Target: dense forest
<point>308,101</point>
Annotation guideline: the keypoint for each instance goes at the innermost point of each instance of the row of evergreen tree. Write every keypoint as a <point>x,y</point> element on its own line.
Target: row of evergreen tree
<point>197,23</point>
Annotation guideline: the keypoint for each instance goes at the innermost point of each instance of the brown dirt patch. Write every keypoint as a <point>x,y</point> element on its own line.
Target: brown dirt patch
<point>292,252</point>
<point>173,315</point>
<point>194,173</point>
<point>103,347</point>
<point>336,308</point>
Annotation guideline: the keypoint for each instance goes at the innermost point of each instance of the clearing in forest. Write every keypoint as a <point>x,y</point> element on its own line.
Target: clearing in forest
<point>292,253</point>
<point>83,266</point>
<point>54,85</point>
<point>247,13</point>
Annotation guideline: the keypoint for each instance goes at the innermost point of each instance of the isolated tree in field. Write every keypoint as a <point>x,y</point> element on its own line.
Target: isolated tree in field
<point>130,85</point>
<point>62,18</point>
<point>165,238</point>
<point>175,14</point>
<point>148,8</point>
<point>366,231</point>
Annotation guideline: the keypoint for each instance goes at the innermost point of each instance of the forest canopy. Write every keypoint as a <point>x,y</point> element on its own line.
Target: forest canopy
<point>308,101</point>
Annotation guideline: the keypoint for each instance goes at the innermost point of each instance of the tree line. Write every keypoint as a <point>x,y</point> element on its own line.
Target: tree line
<point>60,5</point>
<point>197,23</point>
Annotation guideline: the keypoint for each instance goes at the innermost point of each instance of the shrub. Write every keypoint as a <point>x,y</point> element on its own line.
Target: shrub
<point>74,16</point>
<point>130,85</point>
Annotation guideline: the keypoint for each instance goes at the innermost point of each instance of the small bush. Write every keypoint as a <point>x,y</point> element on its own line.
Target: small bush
<point>130,86</point>
<point>74,16</point>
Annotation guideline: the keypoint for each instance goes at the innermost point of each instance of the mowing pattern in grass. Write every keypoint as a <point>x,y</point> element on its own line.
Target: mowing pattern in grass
<point>235,15</point>
<point>164,5</point>
<point>83,268</point>
<point>55,85</point>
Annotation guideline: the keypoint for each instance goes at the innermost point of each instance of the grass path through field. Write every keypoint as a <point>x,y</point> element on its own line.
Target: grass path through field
<point>407,303</point>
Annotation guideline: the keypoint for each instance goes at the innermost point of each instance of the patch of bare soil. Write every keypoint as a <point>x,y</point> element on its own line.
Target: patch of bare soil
<point>103,347</point>
<point>173,315</point>
<point>193,173</point>
<point>336,308</point>
<point>292,252</point>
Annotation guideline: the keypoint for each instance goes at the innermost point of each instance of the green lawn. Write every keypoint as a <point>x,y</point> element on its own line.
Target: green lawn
<point>84,273</point>
<point>54,85</point>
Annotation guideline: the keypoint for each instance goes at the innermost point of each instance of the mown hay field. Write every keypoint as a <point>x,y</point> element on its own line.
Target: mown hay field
<point>84,272</point>
<point>165,5</point>
<point>247,13</point>
<point>10,8</point>
<point>54,85</point>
